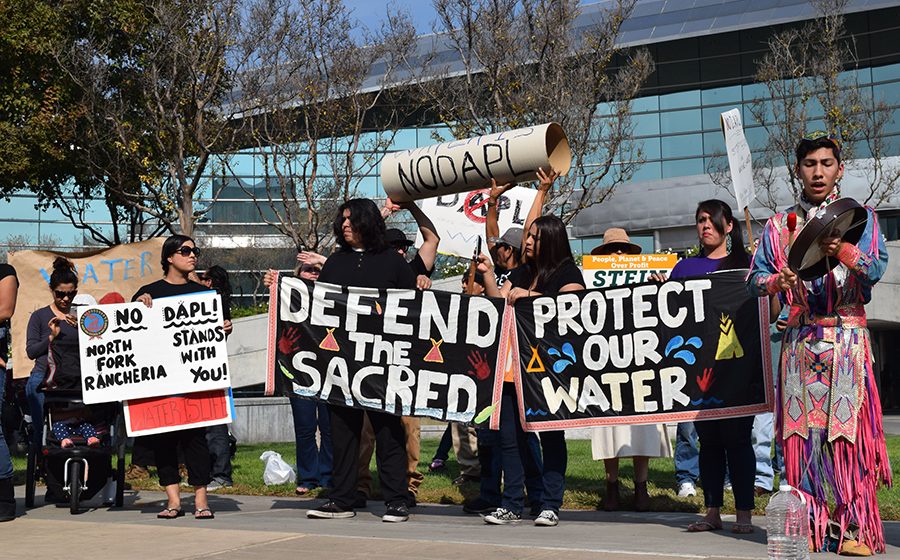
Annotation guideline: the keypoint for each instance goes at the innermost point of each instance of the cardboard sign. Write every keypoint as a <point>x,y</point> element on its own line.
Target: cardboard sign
<point>460,218</point>
<point>681,350</point>
<point>461,165</point>
<point>157,415</point>
<point>405,352</point>
<point>739,161</point>
<point>113,274</point>
<point>131,351</point>
<point>606,271</point>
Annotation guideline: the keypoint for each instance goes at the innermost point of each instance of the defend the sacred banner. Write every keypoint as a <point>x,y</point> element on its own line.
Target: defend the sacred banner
<point>405,352</point>
<point>648,353</point>
<point>131,351</point>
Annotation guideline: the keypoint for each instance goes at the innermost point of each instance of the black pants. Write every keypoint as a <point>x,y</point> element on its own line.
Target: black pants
<point>727,442</point>
<point>390,455</point>
<point>142,453</point>
<point>219,443</point>
<point>196,456</point>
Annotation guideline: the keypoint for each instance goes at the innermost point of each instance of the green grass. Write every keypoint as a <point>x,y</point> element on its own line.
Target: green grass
<point>584,480</point>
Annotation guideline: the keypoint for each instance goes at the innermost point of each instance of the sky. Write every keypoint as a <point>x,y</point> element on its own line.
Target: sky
<point>372,12</point>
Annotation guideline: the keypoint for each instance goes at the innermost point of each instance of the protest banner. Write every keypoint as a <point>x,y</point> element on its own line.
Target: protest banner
<point>740,163</point>
<point>459,218</point>
<point>110,275</point>
<point>131,351</point>
<point>156,415</point>
<point>607,271</point>
<point>405,352</point>
<point>513,156</point>
<point>658,352</point>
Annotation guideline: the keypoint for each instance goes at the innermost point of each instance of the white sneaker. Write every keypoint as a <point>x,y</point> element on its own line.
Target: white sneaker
<point>547,518</point>
<point>686,490</point>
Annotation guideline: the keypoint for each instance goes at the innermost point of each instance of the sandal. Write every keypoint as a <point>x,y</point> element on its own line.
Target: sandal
<point>703,526</point>
<point>742,528</point>
<point>204,513</point>
<point>170,513</point>
<point>302,490</point>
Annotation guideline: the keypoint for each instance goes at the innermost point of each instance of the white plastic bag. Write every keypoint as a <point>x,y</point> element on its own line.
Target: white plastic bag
<point>277,471</point>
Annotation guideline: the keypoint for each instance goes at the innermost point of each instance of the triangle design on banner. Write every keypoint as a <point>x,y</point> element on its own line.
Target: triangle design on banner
<point>535,365</point>
<point>329,342</point>
<point>729,345</point>
<point>434,355</point>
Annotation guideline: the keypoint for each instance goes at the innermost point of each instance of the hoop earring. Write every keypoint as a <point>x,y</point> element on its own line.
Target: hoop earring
<point>728,244</point>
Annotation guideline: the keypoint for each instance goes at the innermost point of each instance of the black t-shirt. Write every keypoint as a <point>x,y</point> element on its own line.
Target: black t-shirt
<point>161,288</point>
<point>418,266</point>
<point>502,275</point>
<point>6,270</point>
<point>368,269</point>
<point>566,273</point>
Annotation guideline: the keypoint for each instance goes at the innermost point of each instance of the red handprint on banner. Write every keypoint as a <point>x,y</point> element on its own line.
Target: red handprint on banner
<point>288,341</point>
<point>706,380</point>
<point>481,369</point>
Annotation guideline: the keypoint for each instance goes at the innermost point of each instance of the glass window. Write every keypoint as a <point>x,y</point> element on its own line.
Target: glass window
<point>715,96</point>
<point>889,93</point>
<point>755,91</point>
<point>757,137</point>
<point>682,167</point>
<point>407,139</point>
<point>679,100</point>
<point>643,104</point>
<point>649,148</point>
<point>649,171</point>
<point>885,73</point>
<point>893,126</point>
<point>712,117</point>
<point>713,143</point>
<point>646,124</point>
<point>682,146</point>
<point>681,121</point>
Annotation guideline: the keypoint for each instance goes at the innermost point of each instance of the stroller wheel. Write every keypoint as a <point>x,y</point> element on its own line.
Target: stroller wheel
<point>75,479</point>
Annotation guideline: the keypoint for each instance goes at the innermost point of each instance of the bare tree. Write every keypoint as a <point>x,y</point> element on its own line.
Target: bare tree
<point>520,63</point>
<point>155,92</point>
<point>314,122</point>
<point>805,74</point>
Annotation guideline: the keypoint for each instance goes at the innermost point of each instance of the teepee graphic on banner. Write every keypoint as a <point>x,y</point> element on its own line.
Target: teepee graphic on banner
<point>329,342</point>
<point>729,345</point>
<point>434,355</point>
<point>535,365</point>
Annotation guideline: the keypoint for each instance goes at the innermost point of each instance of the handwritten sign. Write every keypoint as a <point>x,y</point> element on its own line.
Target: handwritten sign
<point>739,161</point>
<point>404,352</point>
<point>462,165</point>
<point>157,415</point>
<point>110,275</point>
<point>648,353</point>
<point>605,271</point>
<point>459,218</point>
<point>131,351</point>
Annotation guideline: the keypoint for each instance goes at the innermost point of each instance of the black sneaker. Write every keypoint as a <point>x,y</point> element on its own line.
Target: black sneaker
<point>330,511</point>
<point>396,514</point>
<point>479,506</point>
<point>502,517</point>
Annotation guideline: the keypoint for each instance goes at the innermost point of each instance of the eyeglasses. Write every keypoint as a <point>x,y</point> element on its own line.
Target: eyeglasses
<point>310,270</point>
<point>63,295</point>
<point>186,251</point>
<point>819,134</point>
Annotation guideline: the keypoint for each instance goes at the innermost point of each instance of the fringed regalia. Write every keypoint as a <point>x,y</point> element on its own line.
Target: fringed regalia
<point>829,413</point>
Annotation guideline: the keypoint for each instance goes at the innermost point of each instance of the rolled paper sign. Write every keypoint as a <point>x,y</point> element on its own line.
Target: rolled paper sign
<point>463,165</point>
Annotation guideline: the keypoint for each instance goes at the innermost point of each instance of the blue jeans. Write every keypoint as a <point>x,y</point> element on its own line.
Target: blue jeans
<point>6,468</point>
<point>761,437</point>
<point>556,458</point>
<point>35,400</point>
<point>443,449</point>
<point>490,454</point>
<point>512,448</point>
<point>687,454</point>
<point>314,464</point>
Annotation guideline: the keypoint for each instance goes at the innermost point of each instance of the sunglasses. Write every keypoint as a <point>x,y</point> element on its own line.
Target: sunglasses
<point>186,251</point>
<point>819,134</point>
<point>63,295</point>
<point>310,270</point>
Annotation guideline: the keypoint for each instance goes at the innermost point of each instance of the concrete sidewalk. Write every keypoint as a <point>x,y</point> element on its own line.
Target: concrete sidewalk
<point>259,527</point>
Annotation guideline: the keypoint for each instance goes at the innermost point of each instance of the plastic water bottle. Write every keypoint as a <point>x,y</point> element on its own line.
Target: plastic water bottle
<point>787,525</point>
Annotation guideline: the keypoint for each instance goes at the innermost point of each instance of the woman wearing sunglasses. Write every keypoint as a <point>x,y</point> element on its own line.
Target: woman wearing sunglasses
<point>179,259</point>
<point>54,322</point>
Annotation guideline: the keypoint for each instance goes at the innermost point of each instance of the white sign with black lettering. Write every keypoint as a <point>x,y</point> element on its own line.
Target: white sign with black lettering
<point>131,351</point>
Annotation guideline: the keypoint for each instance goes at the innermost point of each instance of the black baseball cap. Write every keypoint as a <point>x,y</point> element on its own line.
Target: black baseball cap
<point>396,238</point>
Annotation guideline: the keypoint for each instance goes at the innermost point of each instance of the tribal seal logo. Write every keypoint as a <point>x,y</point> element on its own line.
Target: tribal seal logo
<point>94,322</point>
